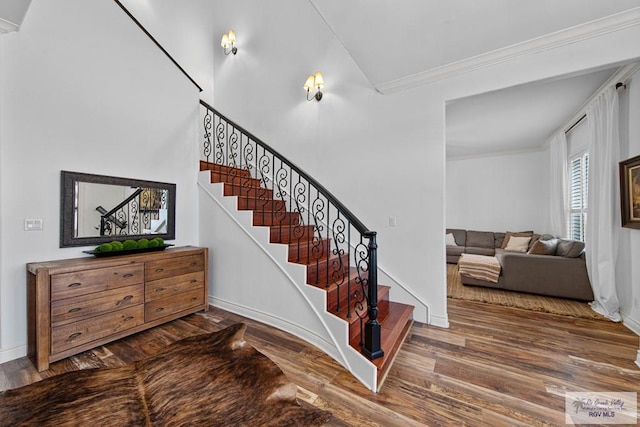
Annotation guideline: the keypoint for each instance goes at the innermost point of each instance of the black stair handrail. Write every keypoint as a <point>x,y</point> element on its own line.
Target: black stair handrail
<point>365,255</point>
<point>153,39</point>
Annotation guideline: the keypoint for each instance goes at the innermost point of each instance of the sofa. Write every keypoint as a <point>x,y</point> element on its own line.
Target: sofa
<point>542,265</point>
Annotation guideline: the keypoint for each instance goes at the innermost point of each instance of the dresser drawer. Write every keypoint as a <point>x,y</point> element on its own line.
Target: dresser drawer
<point>170,286</point>
<point>164,307</point>
<point>77,333</point>
<point>85,306</point>
<point>178,266</point>
<point>83,282</point>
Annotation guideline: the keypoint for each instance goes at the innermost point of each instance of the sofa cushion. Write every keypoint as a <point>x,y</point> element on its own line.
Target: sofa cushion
<point>455,250</point>
<point>480,239</point>
<point>459,235</point>
<point>544,247</point>
<point>518,243</point>
<point>479,251</point>
<point>534,239</point>
<point>498,239</point>
<point>570,248</point>
<point>508,235</point>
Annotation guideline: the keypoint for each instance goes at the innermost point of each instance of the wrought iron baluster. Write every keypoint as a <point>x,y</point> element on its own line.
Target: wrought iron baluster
<point>208,117</point>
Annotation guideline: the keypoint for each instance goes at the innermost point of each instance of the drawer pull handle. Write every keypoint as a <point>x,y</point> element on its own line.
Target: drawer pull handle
<point>159,270</point>
<point>126,319</point>
<point>159,309</point>
<point>193,280</point>
<point>159,289</point>
<point>74,285</point>
<point>126,276</point>
<point>194,298</point>
<point>74,310</point>
<point>74,336</point>
<point>193,264</point>
<point>125,299</point>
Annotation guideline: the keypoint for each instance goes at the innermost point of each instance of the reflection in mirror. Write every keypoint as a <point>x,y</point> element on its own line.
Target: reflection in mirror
<point>98,209</point>
<point>114,210</point>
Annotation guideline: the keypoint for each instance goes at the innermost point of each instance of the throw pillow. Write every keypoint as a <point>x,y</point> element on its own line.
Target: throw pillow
<point>570,248</point>
<point>518,244</point>
<point>450,240</point>
<point>480,239</point>
<point>510,234</point>
<point>544,247</point>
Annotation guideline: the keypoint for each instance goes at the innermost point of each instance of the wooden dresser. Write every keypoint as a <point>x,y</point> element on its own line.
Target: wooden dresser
<point>78,304</point>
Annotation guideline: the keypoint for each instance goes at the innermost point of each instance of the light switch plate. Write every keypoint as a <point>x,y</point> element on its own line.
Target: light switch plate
<point>33,224</point>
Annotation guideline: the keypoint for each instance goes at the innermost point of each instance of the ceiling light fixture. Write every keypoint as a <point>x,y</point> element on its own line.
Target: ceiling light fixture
<point>314,82</point>
<point>229,42</point>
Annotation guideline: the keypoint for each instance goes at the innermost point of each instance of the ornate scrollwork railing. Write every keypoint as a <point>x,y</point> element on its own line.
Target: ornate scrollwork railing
<point>134,215</point>
<point>338,249</point>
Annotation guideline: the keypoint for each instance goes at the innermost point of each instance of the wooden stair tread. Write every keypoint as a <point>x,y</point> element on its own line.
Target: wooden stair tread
<point>352,275</point>
<point>383,296</point>
<point>290,233</point>
<point>256,203</point>
<point>310,250</point>
<point>395,327</point>
<point>229,170</point>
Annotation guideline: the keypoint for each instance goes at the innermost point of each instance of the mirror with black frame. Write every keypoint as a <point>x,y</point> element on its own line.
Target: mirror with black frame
<point>97,209</point>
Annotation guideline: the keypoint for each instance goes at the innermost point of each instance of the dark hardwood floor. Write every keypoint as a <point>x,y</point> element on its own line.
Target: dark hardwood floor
<point>495,366</point>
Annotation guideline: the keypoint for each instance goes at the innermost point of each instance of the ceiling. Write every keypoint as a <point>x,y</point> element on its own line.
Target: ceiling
<point>12,13</point>
<point>401,44</point>
<point>517,119</point>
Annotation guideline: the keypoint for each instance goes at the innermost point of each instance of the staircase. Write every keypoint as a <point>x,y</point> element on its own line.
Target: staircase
<point>318,235</point>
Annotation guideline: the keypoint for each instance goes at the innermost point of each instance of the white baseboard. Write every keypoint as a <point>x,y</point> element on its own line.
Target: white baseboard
<point>280,323</point>
<point>8,354</point>
<point>440,321</point>
<point>631,323</point>
<point>634,326</point>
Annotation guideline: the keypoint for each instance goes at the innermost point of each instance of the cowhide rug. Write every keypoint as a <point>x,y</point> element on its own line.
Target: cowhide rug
<point>214,379</point>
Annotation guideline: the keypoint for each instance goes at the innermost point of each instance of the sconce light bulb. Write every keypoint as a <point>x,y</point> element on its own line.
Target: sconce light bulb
<point>232,37</point>
<point>318,80</point>
<point>309,84</point>
<point>225,41</point>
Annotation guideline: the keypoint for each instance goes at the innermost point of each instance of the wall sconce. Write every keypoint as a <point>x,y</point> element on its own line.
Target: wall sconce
<point>229,42</point>
<point>314,82</point>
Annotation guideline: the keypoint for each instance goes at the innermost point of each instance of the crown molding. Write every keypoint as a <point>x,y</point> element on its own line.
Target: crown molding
<point>496,154</point>
<point>596,28</point>
<point>8,26</point>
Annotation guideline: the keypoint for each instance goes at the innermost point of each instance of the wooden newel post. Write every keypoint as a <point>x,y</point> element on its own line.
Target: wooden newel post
<point>372,331</point>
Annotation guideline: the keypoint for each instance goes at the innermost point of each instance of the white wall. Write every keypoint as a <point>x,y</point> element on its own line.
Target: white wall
<point>628,268</point>
<point>83,90</point>
<point>185,32</point>
<point>498,193</point>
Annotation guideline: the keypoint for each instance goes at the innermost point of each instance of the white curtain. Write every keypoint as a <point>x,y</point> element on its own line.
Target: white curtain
<point>558,200</point>
<point>603,208</point>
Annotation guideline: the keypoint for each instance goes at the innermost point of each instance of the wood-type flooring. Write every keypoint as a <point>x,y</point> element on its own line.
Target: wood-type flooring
<point>494,366</point>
